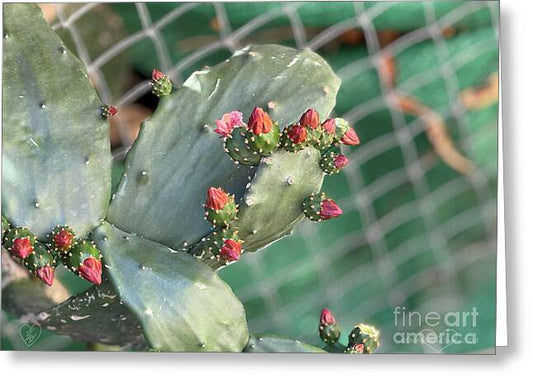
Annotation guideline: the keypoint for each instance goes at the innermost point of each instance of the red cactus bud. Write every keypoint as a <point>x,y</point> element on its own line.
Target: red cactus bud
<point>157,75</point>
<point>231,251</point>
<point>46,274</point>
<point>91,269</point>
<point>340,162</point>
<point>228,122</point>
<point>297,133</point>
<point>63,240</point>
<point>112,110</point>
<point>329,126</point>
<point>359,348</point>
<point>22,247</point>
<point>216,198</point>
<point>310,119</point>
<point>350,137</point>
<point>329,209</point>
<point>259,122</point>
<point>327,318</point>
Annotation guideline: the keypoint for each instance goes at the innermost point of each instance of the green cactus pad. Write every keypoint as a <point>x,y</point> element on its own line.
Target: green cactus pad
<point>239,150</point>
<point>181,304</point>
<point>273,203</point>
<point>273,344</point>
<point>96,315</point>
<point>363,339</point>
<point>56,153</point>
<point>178,154</point>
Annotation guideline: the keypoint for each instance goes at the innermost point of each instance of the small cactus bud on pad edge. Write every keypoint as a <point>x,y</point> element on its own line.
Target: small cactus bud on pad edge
<point>161,84</point>
<point>86,261</point>
<point>41,263</point>
<point>62,239</point>
<point>332,162</point>
<point>328,328</point>
<point>108,111</point>
<point>20,242</point>
<point>220,208</point>
<point>318,207</point>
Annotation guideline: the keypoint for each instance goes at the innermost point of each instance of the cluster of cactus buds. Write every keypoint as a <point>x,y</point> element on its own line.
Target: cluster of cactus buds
<point>223,244</point>
<point>247,143</point>
<point>362,339</point>
<point>41,258</point>
<point>161,84</point>
<point>253,142</point>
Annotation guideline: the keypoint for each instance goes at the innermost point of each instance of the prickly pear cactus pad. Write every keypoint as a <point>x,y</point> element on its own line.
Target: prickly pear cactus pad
<point>272,205</point>
<point>161,193</point>
<point>96,315</point>
<point>273,344</point>
<point>182,304</point>
<point>56,161</point>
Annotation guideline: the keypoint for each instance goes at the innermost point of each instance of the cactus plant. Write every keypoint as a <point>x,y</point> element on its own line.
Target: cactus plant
<point>148,250</point>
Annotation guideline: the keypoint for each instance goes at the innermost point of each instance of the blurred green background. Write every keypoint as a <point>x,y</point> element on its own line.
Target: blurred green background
<point>415,233</point>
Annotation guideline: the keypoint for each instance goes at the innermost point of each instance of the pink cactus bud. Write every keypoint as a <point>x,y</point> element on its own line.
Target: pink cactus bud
<point>91,269</point>
<point>350,137</point>
<point>310,119</point>
<point>22,247</point>
<point>216,198</point>
<point>329,209</point>
<point>63,240</point>
<point>46,274</point>
<point>327,318</point>
<point>297,133</point>
<point>329,126</point>
<point>259,122</point>
<point>112,110</point>
<point>359,348</point>
<point>157,75</point>
<point>228,122</point>
<point>340,162</point>
<point>231,250</point>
